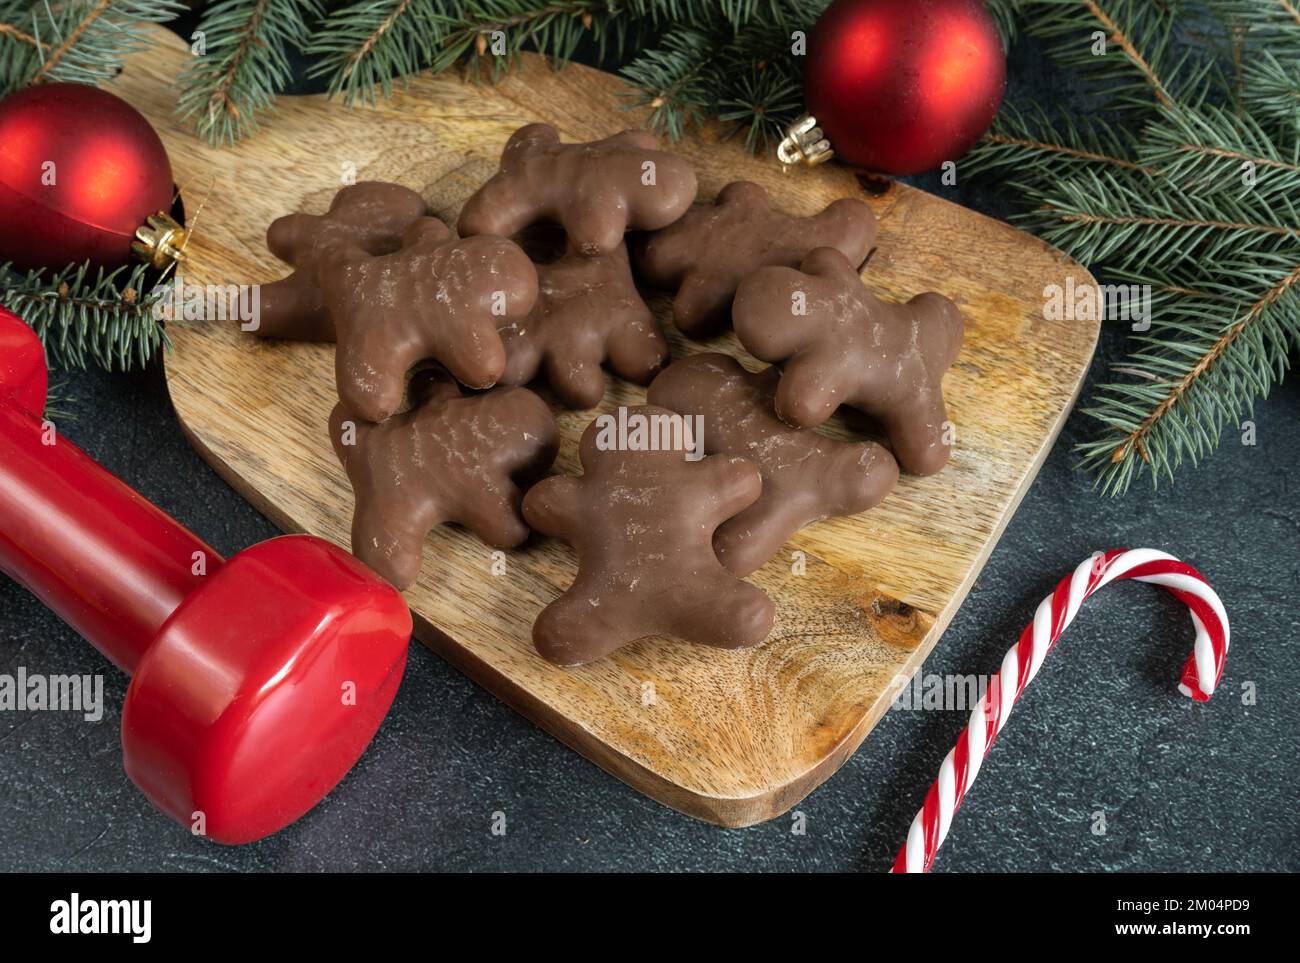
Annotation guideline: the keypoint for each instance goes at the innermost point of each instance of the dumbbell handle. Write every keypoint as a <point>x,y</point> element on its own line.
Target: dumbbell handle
<point>107,561</point>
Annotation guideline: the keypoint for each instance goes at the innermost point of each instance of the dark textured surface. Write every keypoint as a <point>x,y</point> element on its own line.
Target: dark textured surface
<point>1182,786</point>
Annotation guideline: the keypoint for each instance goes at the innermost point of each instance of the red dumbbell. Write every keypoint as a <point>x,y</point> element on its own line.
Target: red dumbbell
<point>257,681</point>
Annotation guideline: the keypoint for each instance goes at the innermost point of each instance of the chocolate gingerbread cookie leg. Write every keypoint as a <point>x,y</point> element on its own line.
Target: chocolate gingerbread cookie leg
<point>806,476</point>
<point>642,522</point>
<point>840,344</point>
<point>447,459</point>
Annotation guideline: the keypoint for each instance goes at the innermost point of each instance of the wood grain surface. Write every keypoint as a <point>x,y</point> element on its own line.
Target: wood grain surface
<point>733,737</point>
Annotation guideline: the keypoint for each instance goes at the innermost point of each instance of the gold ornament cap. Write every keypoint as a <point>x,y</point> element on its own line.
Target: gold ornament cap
<point>804,144</point>
<point>160,241</point>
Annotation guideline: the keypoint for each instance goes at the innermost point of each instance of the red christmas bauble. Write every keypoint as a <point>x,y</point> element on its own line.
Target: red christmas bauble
<point>903,85</point>
<point>80,171</point>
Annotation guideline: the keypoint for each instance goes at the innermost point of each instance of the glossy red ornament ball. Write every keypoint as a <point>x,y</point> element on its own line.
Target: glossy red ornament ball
<point>80,170</point>
<point>903,85</point>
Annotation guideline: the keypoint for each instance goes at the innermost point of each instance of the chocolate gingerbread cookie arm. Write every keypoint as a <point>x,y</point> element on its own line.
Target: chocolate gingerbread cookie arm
<point>773,312</point>
<point>638,350</point>
<point>598,218</point>
<point>920,431</point>
<point>700,307</point>
<point>370,365</point>
<point>848,226</point>
<point>499,207</point>
<point>554,506</point>
<point>525,354</point>
<point>734,483</point>
<point>293,308</point>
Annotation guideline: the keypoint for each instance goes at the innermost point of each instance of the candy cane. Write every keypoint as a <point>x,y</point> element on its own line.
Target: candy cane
<point>1022,662</point>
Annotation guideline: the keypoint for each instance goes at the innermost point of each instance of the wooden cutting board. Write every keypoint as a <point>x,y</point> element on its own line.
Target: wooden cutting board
<point>733,737</point>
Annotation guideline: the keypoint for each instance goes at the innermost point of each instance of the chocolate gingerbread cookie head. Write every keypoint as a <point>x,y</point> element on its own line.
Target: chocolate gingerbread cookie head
<point>641,518</point>
<point>806,476</point>
<point>705,254</point>
<point>596,191</point>
<point>588,311</point>
<point>364,219</point>
<point>446,459</point>
<point>434,298</point>
<point>839,344</point>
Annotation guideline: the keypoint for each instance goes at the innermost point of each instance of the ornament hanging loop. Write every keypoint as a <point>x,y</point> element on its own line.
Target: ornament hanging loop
<point>804,144</point>
<point>160,241</point>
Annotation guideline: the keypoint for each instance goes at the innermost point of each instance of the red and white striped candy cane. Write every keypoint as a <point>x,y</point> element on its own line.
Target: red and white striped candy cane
<point>1022,662</point>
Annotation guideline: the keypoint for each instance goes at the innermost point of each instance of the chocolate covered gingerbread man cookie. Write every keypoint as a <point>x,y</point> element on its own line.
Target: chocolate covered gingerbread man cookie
<point>364,219</point>
<point>641,518</point>
<point>588,311</point>
<point>806,476</point>
<point>597,191</point>
<point>434,298</point>
<point>839,344</point>
<point>704,255</point>
<point>447,459</point>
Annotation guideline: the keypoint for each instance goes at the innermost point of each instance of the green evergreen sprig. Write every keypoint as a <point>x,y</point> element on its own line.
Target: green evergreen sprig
<point>1193,192</point>
<point>242,63</point>
<point>83,315</point>
<point>79,41</point>
<point>737,66</point>
<point>698,58</point>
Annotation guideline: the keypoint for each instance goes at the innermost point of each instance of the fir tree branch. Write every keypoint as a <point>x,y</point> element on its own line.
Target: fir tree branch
<point>1064,150</point>
<point>243,64</point>
<point>1141,31</point>
<point>1198,375</point>
<point>1205,362</point>
<point>88,18</point>
<point>1118,36</point>
<point>9,30</point>
<point>370,43</point>
<point>1034,145</point>
<point>77,41</point>
<point>1177,222</point>
<point>1006,16</point>
<point>1210,149</point>
<point>553,29</point>
<point>1194,200</point>
<point>1270,90</point>
<point>376,36</point>
<point>84,316</point>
